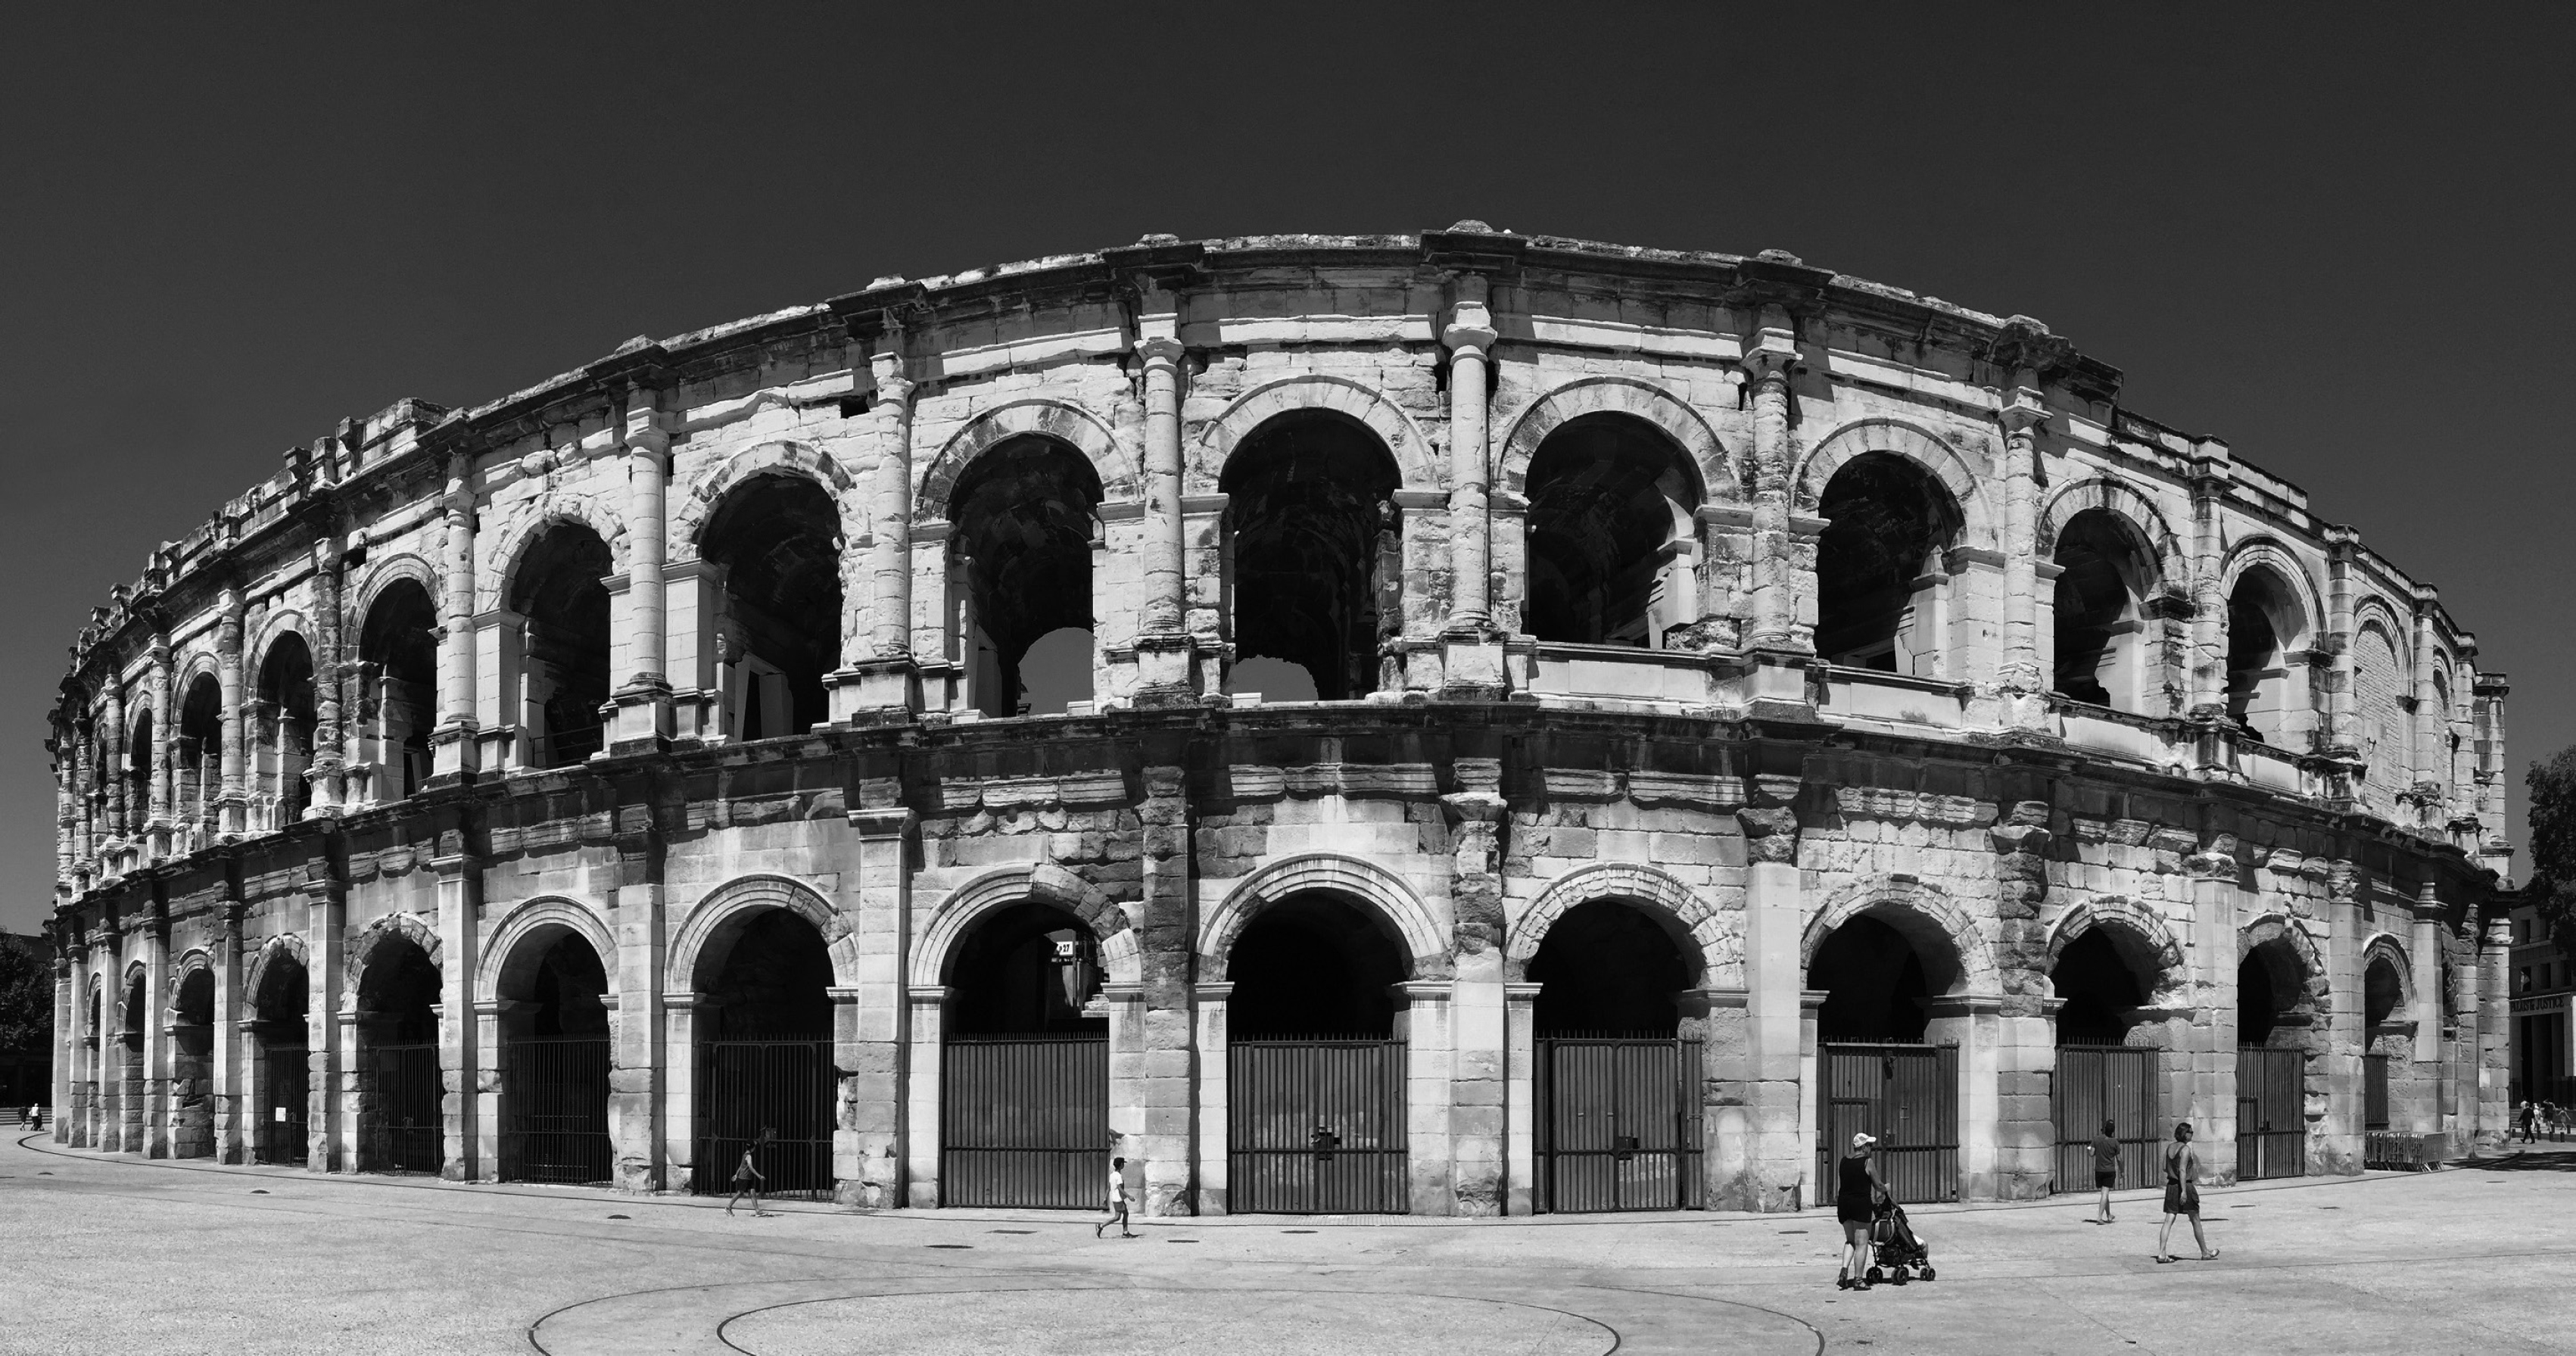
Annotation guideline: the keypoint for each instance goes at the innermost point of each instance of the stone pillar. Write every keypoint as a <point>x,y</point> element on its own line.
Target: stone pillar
<point>1215,1168</point>
<point>1767,1120</point>
<point>327,774</point>
<point>107,1043</point>
<point>1770,355</point>
<point>116,779</point>
<point>230,1087</point>
<point>1520,1103</point>
<point>1166,918</point>
<point>1424,1022</point>
<point>496,1023</point>
<point>928,1006</point>
<point>871,1055</point>
<point>2206,677</point>
<point>1471,662</point>
<point>60,1096</point>
<point>1989,1162</point>
<point>2424,958</point>
<point>640,1052</point>
<point>1477,1109</point>
<point>2023,672</point>
<point>157,815</point>
<point>330,1120</point>
<point>1165,654</point>
<point>2495,1026</point>
<point>154,1124</point>
<point>2212,1059</point>
<point>643,717</point>
<point>2025,1055</point>
<point>232,797</point>
<point>878,671</point>
<point>452,744</point>
<point>683,1015</point>
<point>461,1105</point>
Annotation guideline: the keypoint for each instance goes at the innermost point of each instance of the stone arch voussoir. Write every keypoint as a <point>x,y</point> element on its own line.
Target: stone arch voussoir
<point>289,945</point>
<point>2146,936</point>
<point>1121,475</point>
<point>956,917</point>
<point>735,901</point>
<point>774,457</point>
<point>1373,885</point>
<point>1719,475</point>
<point>1415,465</point>
<point>1717,935</point>
<point>373,937</point>
<point>1925,449</point>
<point>1923,912</point>
<point>2123,501</point>
<point>499,566</point>
<point>529,928</point>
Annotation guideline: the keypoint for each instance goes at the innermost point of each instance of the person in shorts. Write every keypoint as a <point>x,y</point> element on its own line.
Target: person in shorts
<point>2182,1194</point>
<point>1856,1197</point>
<point>748,1179</point>
<point>1119,1185</point>
<point>2106,1171</point>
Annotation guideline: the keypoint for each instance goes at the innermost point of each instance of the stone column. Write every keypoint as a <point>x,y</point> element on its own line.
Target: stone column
<point>641,1052</point>
<point>154,1124</point>
<point>1770,355</point>
<point>872,1052</point>
<point>497,1023</point>
<point>327,773</point>
<point>1165,658</point>
<point>643,718</point>
<point>460,890</point>
<point>1215,1000</point>
<point>683,1015</point>
<point>107,1104</point>
<point>117,781</point>
<point>2424,958</point>
<point>2495,1026</point>
<point>1471,651</point>
<point>2212,1106</point>
<point>330,1119</point>
<point>59,1093</point>
<point>1166,918</point>
<point>1424,1022</point>
<point>452,744</point>
<point>2025,1055</point>
<point>929,1005</point>
<point>232,795</point>
<point>1520,1102</point>
<point>1767,1120</point>
<point>1477,1092</point>
<point>231,1087</point>
<point>2022,675</point>
<point>2207,676</point>
<point>1989,1165</point>
<point>157,816</point>
<point>878,667</point>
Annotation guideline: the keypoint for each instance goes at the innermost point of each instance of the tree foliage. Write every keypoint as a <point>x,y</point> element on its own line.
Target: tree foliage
<point>2551,784</point>
<point>26,999</point>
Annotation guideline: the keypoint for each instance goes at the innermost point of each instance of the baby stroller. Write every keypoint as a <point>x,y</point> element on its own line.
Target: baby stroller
<point>1894,1249</point>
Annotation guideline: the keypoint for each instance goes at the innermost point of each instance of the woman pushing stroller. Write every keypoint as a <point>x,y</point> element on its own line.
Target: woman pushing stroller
<point>1857,1196</point>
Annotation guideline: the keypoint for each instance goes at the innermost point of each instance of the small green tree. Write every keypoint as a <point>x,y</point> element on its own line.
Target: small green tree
<point>26,999</point>
<point>2551,784</point>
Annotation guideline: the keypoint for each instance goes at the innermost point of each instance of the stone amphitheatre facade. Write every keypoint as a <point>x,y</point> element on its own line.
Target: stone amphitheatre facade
<point>1461,723</point>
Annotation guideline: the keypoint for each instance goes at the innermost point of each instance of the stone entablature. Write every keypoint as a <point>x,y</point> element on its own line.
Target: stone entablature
<point>452,664</point>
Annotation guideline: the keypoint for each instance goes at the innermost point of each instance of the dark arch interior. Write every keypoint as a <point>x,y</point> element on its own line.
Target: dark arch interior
<point>200,745</point>
<point>1609,968</point>
<point>559,588</point>
<point>2258,616</point>
<point>286,722</point>
<point>2098,987</point>
<point>194,1031</point>
<point>568,987</point>
<point>138,764</point>
<point>1315,560</point>
<point>779,539</point>
<point>133,1032</point>
<point>1610,501</point>
<point>1032,968</point>
<point>399,992</point>
<point>2107,571</point>
<point>1314,964</point>
<point>774,983</point>
<point>400,707</point>
<point>1874,984</point>
<point>282,999</point>
<point>2381,991</point>
<point>2271,993</point>
<point>1024,514</point>
<point>1886,519</point>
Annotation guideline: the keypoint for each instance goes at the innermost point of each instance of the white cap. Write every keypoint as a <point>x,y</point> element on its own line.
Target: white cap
<point>1863,1140</point>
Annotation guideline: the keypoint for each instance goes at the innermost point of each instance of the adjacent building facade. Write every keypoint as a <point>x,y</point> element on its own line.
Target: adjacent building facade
<point>1457,723</point>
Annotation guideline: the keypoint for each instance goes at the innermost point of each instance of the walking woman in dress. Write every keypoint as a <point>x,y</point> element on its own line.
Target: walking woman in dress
<point>1856,1193</point>
<point>2182,1194</point>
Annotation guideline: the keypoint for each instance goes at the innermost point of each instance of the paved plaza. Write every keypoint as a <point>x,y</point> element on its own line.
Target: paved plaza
<point>115,1254</point>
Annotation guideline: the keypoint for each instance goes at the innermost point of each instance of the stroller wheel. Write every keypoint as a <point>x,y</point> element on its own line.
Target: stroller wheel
<point>1897,1275</point>
<point>1927,1271</point>
<point>1875,1276</point>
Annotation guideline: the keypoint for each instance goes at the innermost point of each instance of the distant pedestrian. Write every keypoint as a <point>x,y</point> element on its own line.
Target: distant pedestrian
<point>748,1178</point>
<point>2106,1170</point>
<point>35,1115</point>
<point>1856,1198</point>
<point>1120,1176</point>
<point>2530,1122</point>
<point>2182,1194</point>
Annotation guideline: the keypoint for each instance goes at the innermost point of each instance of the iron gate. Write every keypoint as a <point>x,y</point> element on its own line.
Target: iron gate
<point>1315,1127</point>
<point>403,1096</point>
<point>1024,1120</point>
<point>2374,1092</point>
<point>1619,1125</point>
<point>2116,1083</point>
<point>2271,1113</point>
<point>554,1110</point>
<point>286,1072</point>
<point>788,1087</point>
<point>1907,1096</point>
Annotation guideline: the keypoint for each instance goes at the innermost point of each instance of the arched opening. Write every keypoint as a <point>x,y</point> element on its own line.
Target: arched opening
<point>2109,1068</point>
<point>555,1062</point>
<point>1881,571</point>
<point>2265,678</point>
<point>1025,514</point>
<point>398,687</point>
<point>560,594</point>
<point>1024,1064</point>
<point>2391,1043</point>
<point>766,1080</point>
<point>283,732</point>
<point>2277,1033</point>
<point>1056,672</point>
<point>138,769</point>
<point>280,1010</point>
<point>1611,538</point>
<point>1617,1075</point>
<point>192,1066</point>
<point>200,751</point>
<point>1313,563</point>
<point>1878,1069</point>
<point>1315,1061</point>
<point>778,540</point>
<point>401,1094</point>
<point>1272,680</point>
<point>2106,573</point>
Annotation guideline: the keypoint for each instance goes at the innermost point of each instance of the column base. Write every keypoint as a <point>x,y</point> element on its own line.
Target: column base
<point>454,751</point>
<point>1775,687</point>
<point>875,691</point>
<point>639,719</point>
<point>1168,670</point>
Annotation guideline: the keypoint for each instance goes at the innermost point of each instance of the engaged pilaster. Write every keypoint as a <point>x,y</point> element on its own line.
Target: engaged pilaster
<point>640,710</point>
<point>1471,650</point>
<point>878,677</point>
<point>1167,666</point>
<point>452,744</point>
<point>2019,675</point>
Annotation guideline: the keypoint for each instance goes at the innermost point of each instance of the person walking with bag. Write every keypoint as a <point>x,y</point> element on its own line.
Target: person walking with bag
<point>1856,1196</point>
<point>2182,1194</point>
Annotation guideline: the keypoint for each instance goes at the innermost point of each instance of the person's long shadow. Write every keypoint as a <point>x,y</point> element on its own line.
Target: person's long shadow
<point>2530,1160</point>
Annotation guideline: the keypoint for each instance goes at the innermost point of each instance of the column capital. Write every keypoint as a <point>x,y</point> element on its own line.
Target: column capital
<point>1471,326</point>
<point>1771,352</point>
<point>1157,349</point>
<point>2022,409</point>
<point>893,822</point>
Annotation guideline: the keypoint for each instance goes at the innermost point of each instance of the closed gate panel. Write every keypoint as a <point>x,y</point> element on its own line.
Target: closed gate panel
<point>1024,1121</point>
<point>554,1110</point>
<point>287,1073</point>
<point>785,1087</point>
<point>2106,1082</point>
<point>1620,1125</point>
<point>1907,1096</point>
<point>2271,1113</point>
<point>405,1133</point>
<point>1315,1127</point>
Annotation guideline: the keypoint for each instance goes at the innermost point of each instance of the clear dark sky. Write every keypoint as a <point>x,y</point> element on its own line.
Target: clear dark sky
<point>2337,239</point>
